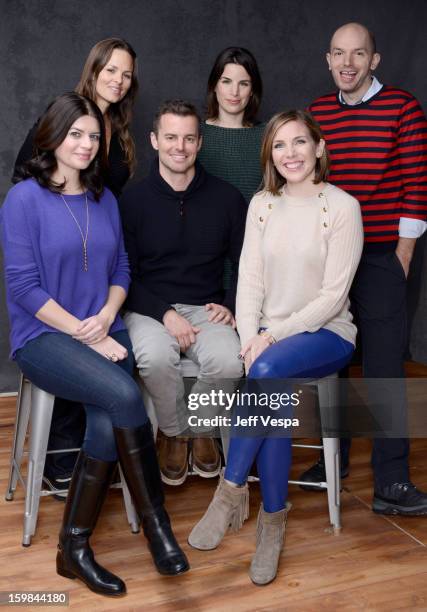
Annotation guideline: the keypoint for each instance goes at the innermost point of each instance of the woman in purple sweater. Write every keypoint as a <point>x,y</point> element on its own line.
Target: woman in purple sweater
<point>67,276</point>
<point>109,78</point>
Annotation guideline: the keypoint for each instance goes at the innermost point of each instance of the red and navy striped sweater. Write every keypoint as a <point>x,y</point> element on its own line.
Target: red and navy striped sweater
<point>378,154</point>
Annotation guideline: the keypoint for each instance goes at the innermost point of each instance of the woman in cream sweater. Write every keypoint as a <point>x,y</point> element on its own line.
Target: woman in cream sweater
<point>302,246</point>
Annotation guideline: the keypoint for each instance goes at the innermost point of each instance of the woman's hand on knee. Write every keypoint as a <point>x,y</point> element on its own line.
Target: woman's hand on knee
<point>110,349</point>
<point>253,349</point>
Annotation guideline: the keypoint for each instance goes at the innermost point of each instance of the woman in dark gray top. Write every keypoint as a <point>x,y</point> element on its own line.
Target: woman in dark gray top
<point>109,78</point>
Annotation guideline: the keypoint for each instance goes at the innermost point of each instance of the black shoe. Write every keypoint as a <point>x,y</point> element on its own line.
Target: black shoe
<point>400,498</point>
<point>138,460</point>
<point>88,489</point>
<point>317,473</point>
<point>59,484</point>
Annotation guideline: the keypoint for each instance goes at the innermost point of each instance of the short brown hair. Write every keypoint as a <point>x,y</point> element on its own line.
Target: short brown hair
<point>272,180</point>
<point>182,108</point>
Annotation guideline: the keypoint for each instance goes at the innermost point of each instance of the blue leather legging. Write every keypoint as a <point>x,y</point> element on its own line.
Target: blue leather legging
<point>306,355</point>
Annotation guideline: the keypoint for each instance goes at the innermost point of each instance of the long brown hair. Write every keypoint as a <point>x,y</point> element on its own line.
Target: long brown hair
<point>51,131</point>
<point>272,180</point>
<point>243,57</point>
<point>120,113</point>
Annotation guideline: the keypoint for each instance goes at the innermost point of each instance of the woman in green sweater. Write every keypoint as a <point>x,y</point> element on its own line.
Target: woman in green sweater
<point>231,143</point>
<point>231,134</point>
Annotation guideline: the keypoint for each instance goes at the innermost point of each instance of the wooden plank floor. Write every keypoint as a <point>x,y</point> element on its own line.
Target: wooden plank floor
<point>375,563</point>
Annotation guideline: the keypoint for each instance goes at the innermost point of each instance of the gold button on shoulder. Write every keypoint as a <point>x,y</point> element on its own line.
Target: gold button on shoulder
<point>270,206</point>
<point>261,219</point>
<point>320,195</point>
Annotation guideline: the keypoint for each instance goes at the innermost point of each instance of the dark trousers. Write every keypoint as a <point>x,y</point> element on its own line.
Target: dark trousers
<point>378,297</point>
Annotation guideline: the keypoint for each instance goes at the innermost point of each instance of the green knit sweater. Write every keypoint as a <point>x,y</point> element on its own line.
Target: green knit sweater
<point>233,154</point>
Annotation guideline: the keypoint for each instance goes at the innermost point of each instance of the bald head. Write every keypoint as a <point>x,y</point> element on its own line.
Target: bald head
<point>352,59</point>
<point>353,30</point>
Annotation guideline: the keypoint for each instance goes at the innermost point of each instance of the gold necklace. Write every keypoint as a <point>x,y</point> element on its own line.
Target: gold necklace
<point>84,238</point>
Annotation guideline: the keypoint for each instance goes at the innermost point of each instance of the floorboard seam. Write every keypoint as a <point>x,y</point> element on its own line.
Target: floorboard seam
<point>386,518</point>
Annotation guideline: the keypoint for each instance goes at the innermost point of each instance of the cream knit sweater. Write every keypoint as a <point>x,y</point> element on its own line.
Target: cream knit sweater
<point>298,261</point>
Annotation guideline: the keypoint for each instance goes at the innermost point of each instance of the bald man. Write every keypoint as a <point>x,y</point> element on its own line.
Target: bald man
<point>377,139</point>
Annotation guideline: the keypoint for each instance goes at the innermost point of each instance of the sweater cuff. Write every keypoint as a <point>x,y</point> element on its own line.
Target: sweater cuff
<point>163,311</point>
<point>155,311</point>
<point>246,332</point>
<point>411,228</point>
<point>122,279</point>
<point>34,300</point>
<point>288,328</point>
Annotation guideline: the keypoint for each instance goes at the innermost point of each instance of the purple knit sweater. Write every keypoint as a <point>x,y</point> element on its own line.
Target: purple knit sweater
<point>43,256</point>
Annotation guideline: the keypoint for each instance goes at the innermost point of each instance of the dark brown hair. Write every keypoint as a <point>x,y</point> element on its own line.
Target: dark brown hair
<point>121,112</point>
<point>243,57</point>
<point>182,108</point>
<point>52,129</point>
<point>272,180</point>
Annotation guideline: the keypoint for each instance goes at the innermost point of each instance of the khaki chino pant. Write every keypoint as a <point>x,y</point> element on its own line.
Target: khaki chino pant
<point>157,356</point>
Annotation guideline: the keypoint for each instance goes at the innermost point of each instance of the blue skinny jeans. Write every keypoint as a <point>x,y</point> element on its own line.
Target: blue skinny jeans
<point>65,367</point>
<point>305,355</point>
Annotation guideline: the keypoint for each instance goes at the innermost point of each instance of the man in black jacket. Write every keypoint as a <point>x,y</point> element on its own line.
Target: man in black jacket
<point>180,225</point>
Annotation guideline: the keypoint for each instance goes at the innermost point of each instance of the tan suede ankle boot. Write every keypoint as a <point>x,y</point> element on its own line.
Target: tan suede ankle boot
<point>229,507</point>
<point>269,544</point>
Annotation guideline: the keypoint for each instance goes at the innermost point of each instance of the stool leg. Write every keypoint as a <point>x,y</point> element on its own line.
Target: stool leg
<point>131,514</point>
<point>23,405</point>
<point>328,393</point>
<point>331,450</point>
<point>329,405</point>
<point>41,417</point>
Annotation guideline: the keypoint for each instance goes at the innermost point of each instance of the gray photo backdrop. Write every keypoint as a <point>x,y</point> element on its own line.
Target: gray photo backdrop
<point>44,43</point>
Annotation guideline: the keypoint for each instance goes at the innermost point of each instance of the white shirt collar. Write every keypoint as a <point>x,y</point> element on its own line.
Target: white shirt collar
<point>374,89</point>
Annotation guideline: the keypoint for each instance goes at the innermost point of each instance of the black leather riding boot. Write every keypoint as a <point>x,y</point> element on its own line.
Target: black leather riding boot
<point>138,459</point>
<point>75,559</point>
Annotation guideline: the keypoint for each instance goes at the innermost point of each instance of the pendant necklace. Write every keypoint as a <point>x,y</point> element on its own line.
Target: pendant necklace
<point>84,237</point>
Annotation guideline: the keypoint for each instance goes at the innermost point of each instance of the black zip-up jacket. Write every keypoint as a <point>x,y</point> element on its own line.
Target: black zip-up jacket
<point>177,242</point>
